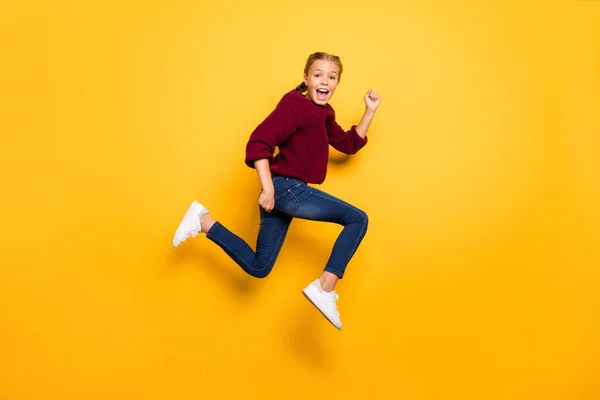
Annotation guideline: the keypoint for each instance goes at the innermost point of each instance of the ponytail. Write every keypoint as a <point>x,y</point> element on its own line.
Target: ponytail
<point>301,87</point>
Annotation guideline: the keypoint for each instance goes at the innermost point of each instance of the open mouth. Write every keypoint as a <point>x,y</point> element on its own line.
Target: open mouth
<point>322,94</point>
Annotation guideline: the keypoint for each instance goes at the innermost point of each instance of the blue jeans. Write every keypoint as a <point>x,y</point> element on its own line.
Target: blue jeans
<point>294,198</point>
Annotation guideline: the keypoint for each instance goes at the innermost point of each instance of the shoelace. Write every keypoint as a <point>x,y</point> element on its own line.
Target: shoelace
<point>194,231</point>
<point>191,233</point>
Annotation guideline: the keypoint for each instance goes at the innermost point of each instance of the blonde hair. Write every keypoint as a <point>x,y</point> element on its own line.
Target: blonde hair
<point>319,56</point>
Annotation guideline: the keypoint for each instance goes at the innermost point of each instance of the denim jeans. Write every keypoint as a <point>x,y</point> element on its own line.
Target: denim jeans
<point>294,199</point>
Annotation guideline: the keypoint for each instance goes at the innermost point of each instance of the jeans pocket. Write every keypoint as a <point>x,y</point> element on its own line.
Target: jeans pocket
<point>281,186</point>
<point>286,202</point>
<point>278,180</point>
<point>298,190</point>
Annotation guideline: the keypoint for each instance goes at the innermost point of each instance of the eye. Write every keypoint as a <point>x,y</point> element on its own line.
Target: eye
<point>317,75</point>
<point>332,78</point>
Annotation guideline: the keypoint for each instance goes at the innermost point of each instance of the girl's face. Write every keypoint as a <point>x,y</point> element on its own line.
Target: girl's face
<point>322,79</point>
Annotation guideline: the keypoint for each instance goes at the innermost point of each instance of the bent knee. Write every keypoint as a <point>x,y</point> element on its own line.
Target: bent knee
<point>364,217</point>
<point>261,271</point>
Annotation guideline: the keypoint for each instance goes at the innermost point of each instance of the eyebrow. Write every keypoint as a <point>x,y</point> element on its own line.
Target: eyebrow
<point>318,69</point>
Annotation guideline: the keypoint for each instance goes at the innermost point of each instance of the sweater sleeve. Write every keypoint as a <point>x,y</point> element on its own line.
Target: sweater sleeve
<point>279,125</point>
<point>348,142</point>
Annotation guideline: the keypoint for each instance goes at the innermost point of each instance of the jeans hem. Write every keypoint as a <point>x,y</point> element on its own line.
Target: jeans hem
<point>335,272</point>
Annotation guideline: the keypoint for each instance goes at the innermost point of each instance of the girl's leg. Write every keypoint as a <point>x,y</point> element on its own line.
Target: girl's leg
<point>271,235</point>
<point>328,280</point>
<point>302,201</point>
<point>316,205</point>
<point>272,232</point>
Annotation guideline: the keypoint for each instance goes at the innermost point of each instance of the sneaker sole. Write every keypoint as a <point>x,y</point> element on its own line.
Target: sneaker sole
<point>305,293</point>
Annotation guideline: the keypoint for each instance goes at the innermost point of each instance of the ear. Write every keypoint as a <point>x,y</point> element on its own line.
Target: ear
<point>305,80</point>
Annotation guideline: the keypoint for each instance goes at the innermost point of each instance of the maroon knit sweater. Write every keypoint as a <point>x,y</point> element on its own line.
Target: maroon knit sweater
<point>303,132</point>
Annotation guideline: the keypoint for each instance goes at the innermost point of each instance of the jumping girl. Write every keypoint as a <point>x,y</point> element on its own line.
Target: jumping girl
<point>302,126</point>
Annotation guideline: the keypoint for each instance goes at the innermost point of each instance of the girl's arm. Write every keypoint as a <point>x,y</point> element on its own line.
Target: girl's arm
<point>264,174</point>
<point>372,101</point>
<point>351,141</point>
<point>266,199</point>
<point>363,125</point>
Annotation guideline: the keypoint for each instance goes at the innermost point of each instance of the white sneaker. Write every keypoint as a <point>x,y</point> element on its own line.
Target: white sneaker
<point>190,224</point>
<point>324,301</point>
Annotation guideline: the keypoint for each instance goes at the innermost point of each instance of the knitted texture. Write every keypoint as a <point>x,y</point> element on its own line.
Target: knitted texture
<point>303,131</point>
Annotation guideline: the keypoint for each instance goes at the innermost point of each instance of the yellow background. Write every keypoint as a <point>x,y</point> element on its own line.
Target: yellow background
<point>478,277</point>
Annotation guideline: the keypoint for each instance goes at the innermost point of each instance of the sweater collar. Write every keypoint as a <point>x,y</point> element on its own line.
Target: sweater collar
<point>325,107</point>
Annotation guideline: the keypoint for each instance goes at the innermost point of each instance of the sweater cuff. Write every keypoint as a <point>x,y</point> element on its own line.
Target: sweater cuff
<point>359,141</point>
<point>257,155</point>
